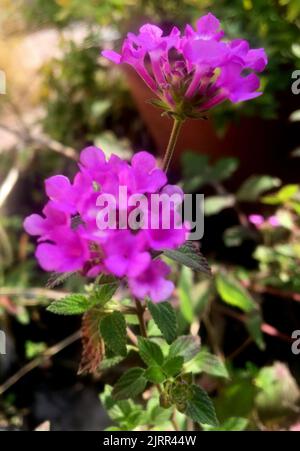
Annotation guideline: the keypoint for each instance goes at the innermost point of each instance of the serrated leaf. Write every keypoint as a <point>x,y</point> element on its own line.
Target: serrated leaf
<point>186,346</point>
<point>188,255</point>
<point>150,352</point>
<point>200,407</point>
<point>208,363</point>
<point>74,304</point>
<point>164,317</point>
<point>105,288</point>
<point>233,293</point>
<point>155,374</point>
<point>173,365</point>
<point>110,362</point>
<point>113,331</point>
<point>130,384</point>
<point>92,343</point>
<point>255,186</point>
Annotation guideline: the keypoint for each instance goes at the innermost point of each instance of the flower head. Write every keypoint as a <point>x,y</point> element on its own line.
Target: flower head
<point>194,71</point>
<point>69,235</point>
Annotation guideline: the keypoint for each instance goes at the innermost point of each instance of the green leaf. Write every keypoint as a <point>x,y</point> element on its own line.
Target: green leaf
<point>74,304</point>
<point>208,363</point>
<point>130,384</point>
<point>200,407</point>
<point>155,375</point>
<point>186,346</point>
<point>105,288</point>
<point>125,413</point>
<point>33,349</point>
<point>108,362</point>
<point>173,365</point>
<point>150,352</point>
<point>223,169</point>
<point>196,170</point>
<point>188,255</point>
<point>164,317</point>
<point>233,293</point>
<point>215,204</point>
<point>113,331</point>
<point>232,424</point>
<point>253,325</point>
<point>285,194</point>
<point>234,236</point>
<point>184,293</point>
<point>255,186</point>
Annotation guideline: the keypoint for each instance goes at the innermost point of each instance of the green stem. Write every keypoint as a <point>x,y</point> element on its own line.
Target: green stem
<point>172,143</point>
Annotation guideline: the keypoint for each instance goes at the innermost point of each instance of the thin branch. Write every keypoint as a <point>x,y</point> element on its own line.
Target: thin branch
<point>132,337</point>
<point>262,289</point>
<point>42,140</point>
<point>240,349</point>
<point>32,292</point>
<point>265,327</point>
<point>212,336</point>
<point>50,352</point>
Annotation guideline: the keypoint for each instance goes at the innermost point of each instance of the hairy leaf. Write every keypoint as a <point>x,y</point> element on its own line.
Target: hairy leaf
<point>93,345</point>
<point>130,384</point>
<point>208,363</point>
<point>164,317</point>
<point>155,375</point>
<point>186,346</point>
<point>113,331</point>
<point>173,365</point>
<point>73,304</point>
<point>150,352</point>
<point>200,407</point>
<point>190,256</point>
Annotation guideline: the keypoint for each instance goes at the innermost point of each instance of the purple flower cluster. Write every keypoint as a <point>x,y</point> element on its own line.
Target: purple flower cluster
<point>196,71</point>
<point>70,240</point>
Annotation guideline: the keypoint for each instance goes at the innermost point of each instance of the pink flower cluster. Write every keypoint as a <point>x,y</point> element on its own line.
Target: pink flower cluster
<point>69,239</point>
<point>260,222</point>
<point>196,71</point>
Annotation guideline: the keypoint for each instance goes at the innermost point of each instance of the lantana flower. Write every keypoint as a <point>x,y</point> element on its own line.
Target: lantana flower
<point>193,72</point>
<point>69,236</point>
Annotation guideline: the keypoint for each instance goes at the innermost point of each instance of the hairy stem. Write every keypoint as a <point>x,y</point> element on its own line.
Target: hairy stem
<point>172,143</point>
<point>140,315</point>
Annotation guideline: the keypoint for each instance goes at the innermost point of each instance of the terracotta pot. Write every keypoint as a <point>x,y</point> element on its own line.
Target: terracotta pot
<point>258,143</point>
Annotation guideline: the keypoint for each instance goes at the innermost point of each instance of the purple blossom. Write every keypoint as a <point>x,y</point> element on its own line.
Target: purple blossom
<point>70,239</point>
<point>193,72</point>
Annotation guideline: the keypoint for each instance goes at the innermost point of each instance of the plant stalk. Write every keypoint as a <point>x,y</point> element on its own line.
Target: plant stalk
<point>172,143</point>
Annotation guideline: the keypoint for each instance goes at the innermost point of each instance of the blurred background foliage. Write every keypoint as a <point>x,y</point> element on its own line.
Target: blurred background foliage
<point>61,95</point>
